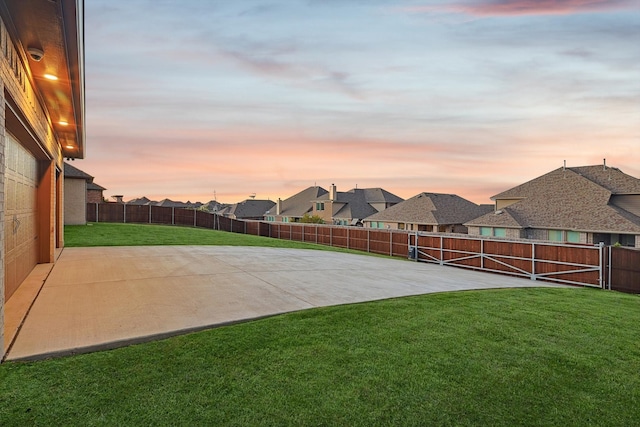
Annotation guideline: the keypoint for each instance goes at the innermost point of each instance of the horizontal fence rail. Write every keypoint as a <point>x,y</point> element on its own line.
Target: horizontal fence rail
<point>584,265</point>
<point>559,263</point>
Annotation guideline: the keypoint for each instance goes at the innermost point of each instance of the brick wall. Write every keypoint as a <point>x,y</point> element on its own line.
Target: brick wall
<point>94,196</point>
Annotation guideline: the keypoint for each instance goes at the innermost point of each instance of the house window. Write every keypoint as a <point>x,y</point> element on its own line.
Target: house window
<point>627,240</point>
<point>285,219</point>
<point>319,206</point>
<point>573,237</point>
<point>486,231</point>
<point>555,235</point>
<point>401,226</point>
<point>500,232</point>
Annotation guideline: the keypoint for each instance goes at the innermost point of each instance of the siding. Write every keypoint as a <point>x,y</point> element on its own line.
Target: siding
<point>75,202</point>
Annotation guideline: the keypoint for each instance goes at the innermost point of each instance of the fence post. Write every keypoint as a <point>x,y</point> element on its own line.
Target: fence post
<point>316,234</point>
<point>441,251</point>
<point>173,215</point>
<point>482,254</point>
<point>331,235</point>
<point>368,239</point>
<point>149,214</point>
<point>245,227</point>
<point>124,213</point>
<point>97,213</point>
<point>195,223</point>
<point>600,272</point>
<point>533,261</point>
<point>348,238</point>
<point>610,250</point>
<point>390,243</point>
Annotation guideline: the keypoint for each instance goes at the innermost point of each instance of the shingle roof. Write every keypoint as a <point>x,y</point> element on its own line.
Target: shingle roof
<point>75,173</point>
<point>300,203</point>
<point>250,208</point>
<point>571,198</point>
<point>93,186</point>
<point>140,201</point>
<point>356,203</point>
<point>432,209</point>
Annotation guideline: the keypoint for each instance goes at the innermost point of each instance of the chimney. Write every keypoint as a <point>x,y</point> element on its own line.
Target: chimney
<point>604,164</point>
<point>564,167</point>
<point>278,206</point>
<point>332,192</point>
<point>118,199</point>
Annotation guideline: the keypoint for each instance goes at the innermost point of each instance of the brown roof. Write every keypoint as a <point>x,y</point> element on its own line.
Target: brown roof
<point>432,209</point>
<point>568,198</point>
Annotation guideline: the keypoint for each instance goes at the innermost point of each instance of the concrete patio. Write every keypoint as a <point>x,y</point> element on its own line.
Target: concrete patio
<point>107,297</point>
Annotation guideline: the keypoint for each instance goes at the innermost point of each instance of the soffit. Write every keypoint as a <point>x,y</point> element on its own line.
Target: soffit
<point>55,27</point>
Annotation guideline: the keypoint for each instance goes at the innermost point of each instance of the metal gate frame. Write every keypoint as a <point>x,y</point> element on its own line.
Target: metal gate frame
<point>416,251</point>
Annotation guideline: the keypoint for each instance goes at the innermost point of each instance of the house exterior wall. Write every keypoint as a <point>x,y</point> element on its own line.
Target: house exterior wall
<point>94,196</point>
<point>23,116</point>
<point>2,143</point>
<point>75,201</point>
<point>503,203</point>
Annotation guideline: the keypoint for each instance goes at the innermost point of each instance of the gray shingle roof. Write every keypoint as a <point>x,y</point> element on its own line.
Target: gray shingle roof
<point>75,173</point>
<point>300,203</point>
<point>140,201</point>
<point>572,199</point>
<point>93,186</point>
<point>432,209</point>
<point>250,208</point>
<point>356,203</point>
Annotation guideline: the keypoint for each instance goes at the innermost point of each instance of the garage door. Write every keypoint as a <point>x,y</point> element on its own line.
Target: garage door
<point>21,231</point>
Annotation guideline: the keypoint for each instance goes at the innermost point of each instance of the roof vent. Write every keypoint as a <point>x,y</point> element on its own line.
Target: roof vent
<point>499,211</point>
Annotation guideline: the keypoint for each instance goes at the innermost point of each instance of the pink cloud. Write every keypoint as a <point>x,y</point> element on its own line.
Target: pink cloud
<point>527,7</point>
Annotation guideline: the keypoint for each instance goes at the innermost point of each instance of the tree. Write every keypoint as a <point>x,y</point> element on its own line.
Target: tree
<point>308,219</point>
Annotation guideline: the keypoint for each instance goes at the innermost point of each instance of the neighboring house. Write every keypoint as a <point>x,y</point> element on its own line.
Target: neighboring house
<point>41,124</point>
<point>587,204</point>
<point>296,206</point>
<point>95,193</point>
<point>79,189</point>
<point>248,209</point>
<point>213,206</point>
<point>140,201</point>
<point>167,203</point>
<point>443,213</point>
<point>353,206</point>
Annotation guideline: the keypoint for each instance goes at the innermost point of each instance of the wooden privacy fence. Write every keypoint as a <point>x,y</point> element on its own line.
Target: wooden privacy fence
<point>623,269</point>
<point>584,265</point>
<point>553,262</point>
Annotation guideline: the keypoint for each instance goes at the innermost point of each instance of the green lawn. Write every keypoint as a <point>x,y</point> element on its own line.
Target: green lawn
<point>108,234</point>
<point>503,357</point>
<point>499,357</point>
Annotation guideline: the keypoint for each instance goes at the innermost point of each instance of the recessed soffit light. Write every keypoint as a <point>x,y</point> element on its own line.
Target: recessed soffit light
<point>50,77</point>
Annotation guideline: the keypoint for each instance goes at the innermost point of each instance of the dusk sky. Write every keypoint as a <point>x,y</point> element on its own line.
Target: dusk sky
<point>189,97</point>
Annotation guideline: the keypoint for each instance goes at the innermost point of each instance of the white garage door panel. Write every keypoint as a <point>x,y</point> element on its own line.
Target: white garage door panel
<point>21,244</point>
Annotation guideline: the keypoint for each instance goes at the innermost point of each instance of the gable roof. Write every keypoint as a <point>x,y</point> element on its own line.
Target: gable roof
<point>250,208</point>
<point>300,203</point>
<point>94,186</point>
<point>75,173</point>
<point>569,199</point>
<point>432,209</point>
<point>356,203</point>
<point>139,201</point>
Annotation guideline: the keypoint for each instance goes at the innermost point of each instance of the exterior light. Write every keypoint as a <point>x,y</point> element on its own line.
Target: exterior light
<point>71,147</point>
<point>63,123</point>
<point>50,77</point>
